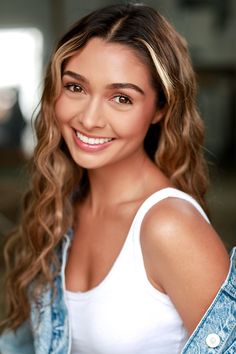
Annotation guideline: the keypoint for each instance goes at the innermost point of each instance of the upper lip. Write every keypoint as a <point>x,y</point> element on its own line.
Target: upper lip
<point>93,136</point>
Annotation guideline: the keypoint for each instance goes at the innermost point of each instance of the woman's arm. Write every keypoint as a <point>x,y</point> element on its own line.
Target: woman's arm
<point>184,257</point>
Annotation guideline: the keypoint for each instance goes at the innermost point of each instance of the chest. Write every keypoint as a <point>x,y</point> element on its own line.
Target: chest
<point>123,313</point>
<point>96,244</point>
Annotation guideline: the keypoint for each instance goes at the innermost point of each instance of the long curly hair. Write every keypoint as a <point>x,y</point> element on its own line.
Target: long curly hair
<point>175,143</point>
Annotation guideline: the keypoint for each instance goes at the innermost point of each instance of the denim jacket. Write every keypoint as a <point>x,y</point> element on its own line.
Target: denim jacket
<point>48,330</point>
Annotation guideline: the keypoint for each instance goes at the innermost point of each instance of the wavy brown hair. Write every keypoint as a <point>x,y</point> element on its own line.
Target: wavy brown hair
<point>175,144</point>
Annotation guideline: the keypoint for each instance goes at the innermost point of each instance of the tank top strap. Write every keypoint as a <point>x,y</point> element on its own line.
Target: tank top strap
<point>161,195</point>
<point>137,222</point>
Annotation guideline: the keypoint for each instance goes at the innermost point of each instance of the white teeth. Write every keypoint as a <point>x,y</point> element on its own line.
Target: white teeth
<point>92,141</point>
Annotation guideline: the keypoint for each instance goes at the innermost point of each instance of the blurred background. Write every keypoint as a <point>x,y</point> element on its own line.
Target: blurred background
<point>29,30</point>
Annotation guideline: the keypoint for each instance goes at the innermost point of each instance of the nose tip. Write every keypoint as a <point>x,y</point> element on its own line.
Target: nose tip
<point>90,123</point>
<point>92,116</point>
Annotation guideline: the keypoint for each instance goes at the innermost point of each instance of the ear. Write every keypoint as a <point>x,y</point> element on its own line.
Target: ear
<point>158,116</point>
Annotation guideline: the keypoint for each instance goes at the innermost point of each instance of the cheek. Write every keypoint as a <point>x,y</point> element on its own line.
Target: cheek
<point>64,110</point>
<point>137,123</point>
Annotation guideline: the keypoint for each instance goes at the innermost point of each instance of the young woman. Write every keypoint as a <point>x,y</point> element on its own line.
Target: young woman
<point>115,253</point>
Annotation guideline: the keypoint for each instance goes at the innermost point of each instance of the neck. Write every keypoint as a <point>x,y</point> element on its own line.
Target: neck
<point>119,182</point>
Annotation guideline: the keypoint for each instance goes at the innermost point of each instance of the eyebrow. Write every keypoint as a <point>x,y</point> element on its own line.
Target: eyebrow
<point>125,85</point>
<point>75,75</point>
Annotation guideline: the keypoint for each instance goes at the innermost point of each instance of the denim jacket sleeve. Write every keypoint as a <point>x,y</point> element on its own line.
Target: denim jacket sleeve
<point>216,332</point>
<point>19,342</point>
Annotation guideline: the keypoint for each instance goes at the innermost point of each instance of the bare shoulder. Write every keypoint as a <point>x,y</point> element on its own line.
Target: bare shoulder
<point>175,222</point>
<point>183,256</point>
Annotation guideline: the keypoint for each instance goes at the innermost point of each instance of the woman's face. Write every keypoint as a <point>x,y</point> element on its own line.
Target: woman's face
<point>106,104</point>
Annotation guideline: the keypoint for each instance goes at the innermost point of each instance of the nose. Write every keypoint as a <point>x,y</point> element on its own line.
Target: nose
<point>92,115</point>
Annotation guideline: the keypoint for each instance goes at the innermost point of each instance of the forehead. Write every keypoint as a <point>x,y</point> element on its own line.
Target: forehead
<point>109,60</point>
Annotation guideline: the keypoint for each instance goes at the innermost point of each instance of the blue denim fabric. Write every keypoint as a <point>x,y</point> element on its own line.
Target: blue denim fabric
<point>19,342</point>
<point>48,331</point>
<point>219,321</point>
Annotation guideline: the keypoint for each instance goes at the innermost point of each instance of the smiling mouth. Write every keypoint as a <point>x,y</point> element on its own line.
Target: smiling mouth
<point>92,141</point>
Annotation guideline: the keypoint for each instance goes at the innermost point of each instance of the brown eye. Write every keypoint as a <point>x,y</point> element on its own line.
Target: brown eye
<point>121,99</point>
<point>74,87</point>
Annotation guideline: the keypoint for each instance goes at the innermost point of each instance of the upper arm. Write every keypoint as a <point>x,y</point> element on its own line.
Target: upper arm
<point>184,256</point>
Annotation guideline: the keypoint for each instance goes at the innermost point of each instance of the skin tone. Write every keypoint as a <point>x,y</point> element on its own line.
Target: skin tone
<point>105,108</point>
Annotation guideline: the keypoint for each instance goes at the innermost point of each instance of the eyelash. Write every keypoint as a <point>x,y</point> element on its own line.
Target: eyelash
<point>74,87</point>
<point>127,98</point>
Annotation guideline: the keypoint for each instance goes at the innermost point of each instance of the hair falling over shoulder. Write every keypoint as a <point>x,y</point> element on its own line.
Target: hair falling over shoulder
<point>46,214</point>
<point>175,143</point>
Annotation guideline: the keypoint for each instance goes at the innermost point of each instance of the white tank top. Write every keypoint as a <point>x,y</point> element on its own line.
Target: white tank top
<point>125,314</point>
